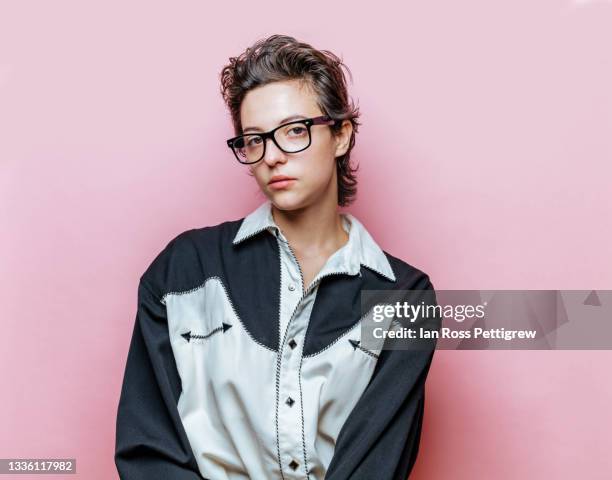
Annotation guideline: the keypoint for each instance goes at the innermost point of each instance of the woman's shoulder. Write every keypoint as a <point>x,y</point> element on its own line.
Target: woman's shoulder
<point>409,276</point>
<point>181,262</point>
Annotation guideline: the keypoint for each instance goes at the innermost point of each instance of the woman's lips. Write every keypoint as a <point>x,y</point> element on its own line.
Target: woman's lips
<point>280,184</point>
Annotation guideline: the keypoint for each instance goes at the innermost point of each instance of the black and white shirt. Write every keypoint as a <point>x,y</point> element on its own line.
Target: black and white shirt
<point>237,370</point>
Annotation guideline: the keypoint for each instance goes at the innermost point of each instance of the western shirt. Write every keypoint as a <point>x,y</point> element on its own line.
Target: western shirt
<point>238,370</point>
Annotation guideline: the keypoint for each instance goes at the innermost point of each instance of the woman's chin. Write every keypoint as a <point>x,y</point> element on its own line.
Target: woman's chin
<point>286,200</point>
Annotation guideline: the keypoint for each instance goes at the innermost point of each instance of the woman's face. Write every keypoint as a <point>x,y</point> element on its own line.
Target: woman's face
<point>313,170</point>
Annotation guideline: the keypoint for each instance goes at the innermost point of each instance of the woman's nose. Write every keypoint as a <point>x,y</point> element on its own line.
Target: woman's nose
<point>273,154</point>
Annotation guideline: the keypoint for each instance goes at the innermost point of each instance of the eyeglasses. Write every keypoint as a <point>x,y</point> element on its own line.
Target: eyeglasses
<point>291,137</point>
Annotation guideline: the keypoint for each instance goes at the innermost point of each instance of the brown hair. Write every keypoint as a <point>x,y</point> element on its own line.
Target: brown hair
<point>281,57</point>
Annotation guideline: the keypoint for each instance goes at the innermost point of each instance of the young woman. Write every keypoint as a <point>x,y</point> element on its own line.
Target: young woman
<point>246,358</point>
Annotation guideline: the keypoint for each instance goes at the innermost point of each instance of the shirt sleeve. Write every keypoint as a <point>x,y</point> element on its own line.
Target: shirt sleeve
<point>150,439</point>
<point>380,438</point>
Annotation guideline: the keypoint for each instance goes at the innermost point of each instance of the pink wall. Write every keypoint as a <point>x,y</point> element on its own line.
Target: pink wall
<point>485,157</point>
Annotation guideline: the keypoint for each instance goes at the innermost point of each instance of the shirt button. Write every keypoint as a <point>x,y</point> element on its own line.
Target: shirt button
<point>294,464</point>
<point>291,287</point>
<point>290,401</point>
<point>292,344</point>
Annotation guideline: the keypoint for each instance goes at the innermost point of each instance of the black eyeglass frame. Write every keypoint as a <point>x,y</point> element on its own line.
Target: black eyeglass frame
<point>309,122</point>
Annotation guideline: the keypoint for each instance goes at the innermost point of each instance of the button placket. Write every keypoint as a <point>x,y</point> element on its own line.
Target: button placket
<point>290,411</point>
<point>290,420</point>
<point>290,416</point>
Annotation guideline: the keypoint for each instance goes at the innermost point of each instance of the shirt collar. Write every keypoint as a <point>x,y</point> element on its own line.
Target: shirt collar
<point>361,249</point>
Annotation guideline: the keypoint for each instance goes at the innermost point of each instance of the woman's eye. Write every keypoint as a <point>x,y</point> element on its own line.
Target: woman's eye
<point>298,130</point>
<point>253,141</point>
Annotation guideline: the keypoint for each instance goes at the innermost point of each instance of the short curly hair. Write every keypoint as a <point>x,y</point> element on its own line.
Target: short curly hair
<point>282,57</point>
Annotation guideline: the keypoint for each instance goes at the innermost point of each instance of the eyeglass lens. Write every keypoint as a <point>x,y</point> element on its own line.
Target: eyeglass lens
<point>290,138</point>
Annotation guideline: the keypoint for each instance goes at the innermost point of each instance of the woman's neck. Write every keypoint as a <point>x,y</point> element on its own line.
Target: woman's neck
<point>312,230</point>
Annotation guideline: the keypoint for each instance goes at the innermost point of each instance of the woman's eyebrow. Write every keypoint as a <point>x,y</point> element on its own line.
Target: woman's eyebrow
<point>284,120</point>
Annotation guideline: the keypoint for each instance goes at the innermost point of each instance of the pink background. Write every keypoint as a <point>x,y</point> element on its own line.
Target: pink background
<point>485,160</point>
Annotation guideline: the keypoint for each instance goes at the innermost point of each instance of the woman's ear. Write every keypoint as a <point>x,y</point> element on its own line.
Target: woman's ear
<point>343,138</point>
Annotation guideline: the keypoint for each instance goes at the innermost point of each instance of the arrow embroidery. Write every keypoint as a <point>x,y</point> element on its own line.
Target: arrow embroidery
<point>188,336</point>
<point>355,344</point>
